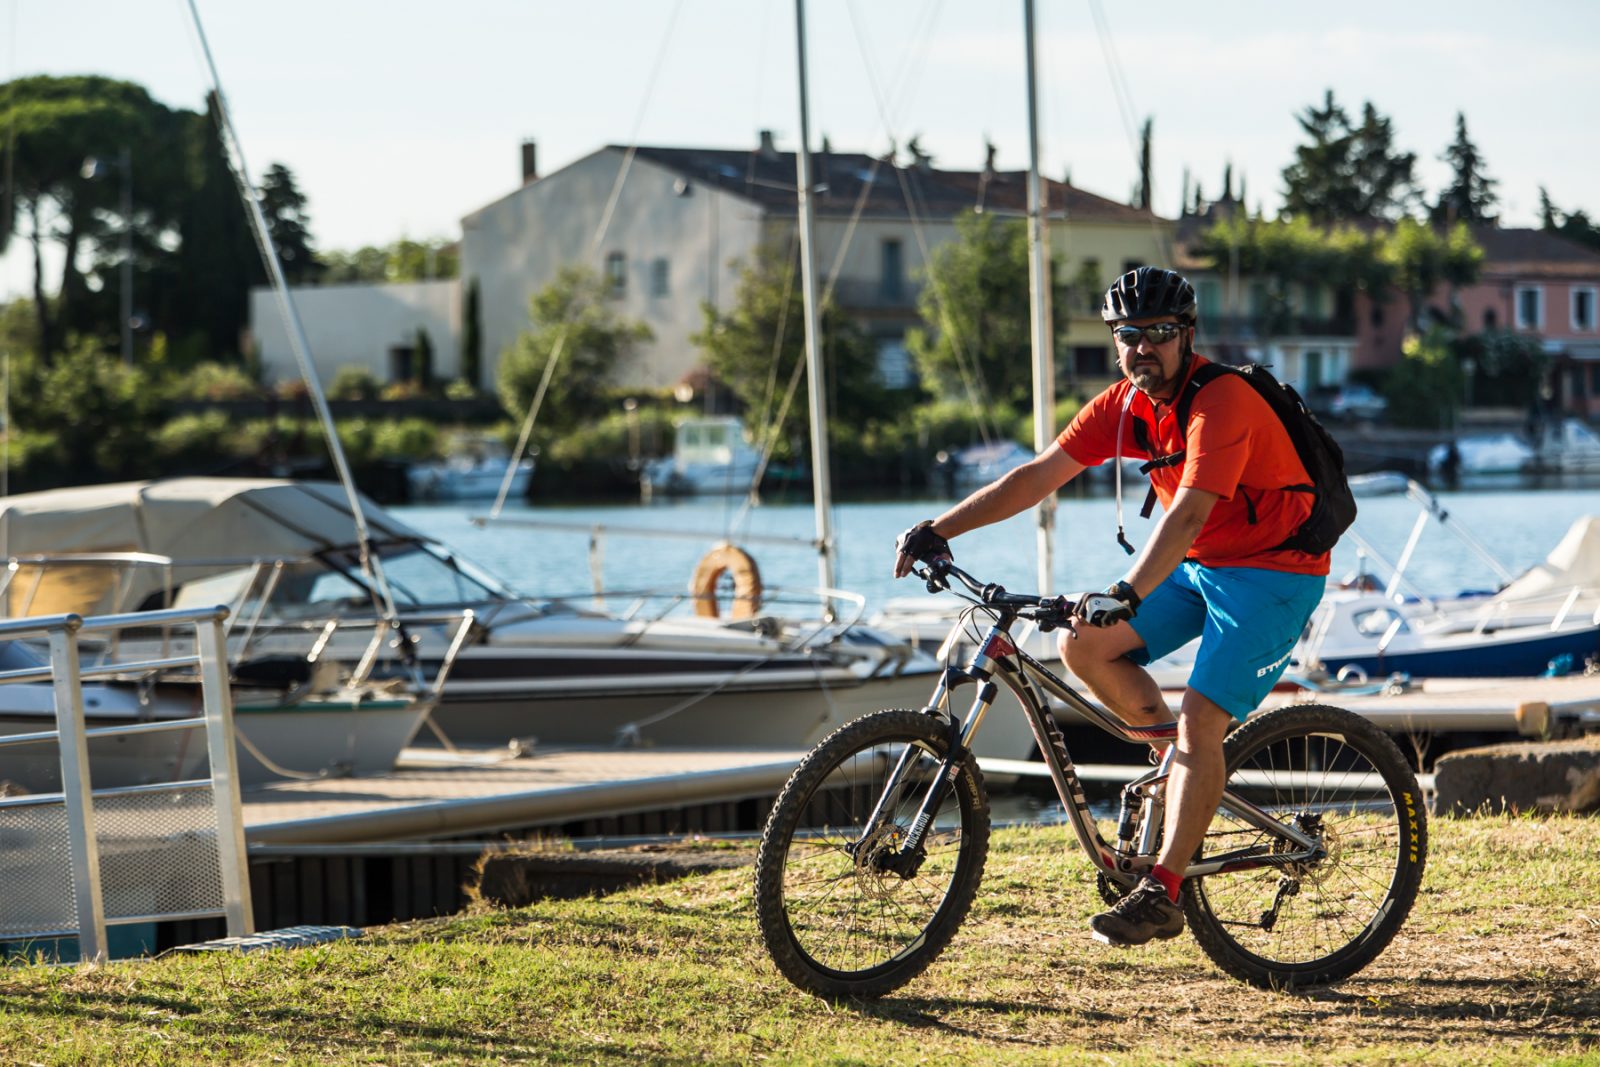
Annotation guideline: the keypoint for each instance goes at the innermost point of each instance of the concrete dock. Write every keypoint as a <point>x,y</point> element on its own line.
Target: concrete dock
<point>1530,707</point>
<point>435,794</point>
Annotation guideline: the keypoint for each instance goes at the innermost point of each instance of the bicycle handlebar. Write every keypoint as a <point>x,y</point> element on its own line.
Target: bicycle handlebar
<point>1048,611</point>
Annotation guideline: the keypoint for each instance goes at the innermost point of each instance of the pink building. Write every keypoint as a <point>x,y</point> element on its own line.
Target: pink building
<point>1533,283</point>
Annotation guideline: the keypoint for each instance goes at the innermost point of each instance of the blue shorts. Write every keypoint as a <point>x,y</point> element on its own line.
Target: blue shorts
<point>1247,619</point>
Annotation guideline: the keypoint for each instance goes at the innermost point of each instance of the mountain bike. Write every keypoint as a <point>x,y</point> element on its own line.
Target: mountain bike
<point>874,850</point>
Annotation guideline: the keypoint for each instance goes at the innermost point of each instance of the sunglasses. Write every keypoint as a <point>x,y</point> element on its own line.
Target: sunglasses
<point>1159,334</point>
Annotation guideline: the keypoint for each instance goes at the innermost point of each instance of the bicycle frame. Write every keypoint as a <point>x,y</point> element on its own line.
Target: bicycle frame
<point>997,655</point>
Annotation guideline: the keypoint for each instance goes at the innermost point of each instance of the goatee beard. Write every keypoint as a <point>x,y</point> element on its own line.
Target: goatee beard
<point>1148,379</point>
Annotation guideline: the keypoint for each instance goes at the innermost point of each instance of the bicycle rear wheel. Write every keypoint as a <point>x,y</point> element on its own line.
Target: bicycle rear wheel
<point>843,910</point>
<point>1342,781</point>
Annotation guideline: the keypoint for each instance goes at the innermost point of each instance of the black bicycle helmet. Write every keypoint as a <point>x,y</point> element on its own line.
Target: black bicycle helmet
<point>1148,292</point>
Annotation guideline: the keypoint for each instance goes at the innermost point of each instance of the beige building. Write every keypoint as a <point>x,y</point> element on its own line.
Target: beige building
<point>670,227</point>
<point>374,327</point>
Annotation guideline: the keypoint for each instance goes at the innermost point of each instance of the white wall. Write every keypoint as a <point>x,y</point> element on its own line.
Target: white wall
<point>515,247</point>
<point>356,325</point>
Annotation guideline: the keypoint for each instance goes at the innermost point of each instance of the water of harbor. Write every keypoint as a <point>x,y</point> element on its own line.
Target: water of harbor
<point>1518,527</point>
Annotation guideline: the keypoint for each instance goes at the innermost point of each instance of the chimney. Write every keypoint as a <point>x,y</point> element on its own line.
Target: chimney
<point>768,151</point>
<point>530,161</point>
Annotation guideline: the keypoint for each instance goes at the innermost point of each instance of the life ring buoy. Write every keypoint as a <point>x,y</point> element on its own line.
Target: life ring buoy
<point>736,563</point>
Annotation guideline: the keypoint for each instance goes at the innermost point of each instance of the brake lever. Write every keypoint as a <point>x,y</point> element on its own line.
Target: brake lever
<point>1054,614</point>
<point>936,583</point>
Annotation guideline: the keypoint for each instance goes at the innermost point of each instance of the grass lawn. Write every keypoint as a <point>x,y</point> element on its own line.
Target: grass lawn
<point>1499,964</point>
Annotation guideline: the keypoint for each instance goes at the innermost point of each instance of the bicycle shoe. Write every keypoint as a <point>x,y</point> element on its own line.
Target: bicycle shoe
<point>1143,914</point>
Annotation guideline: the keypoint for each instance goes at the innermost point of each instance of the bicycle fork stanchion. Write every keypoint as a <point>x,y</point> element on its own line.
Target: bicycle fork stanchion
<point>76,791</point>
<point>978,672</point>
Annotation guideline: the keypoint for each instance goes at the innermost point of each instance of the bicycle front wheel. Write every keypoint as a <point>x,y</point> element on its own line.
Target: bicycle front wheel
<point>1288,922</point>
<point>844,908</point>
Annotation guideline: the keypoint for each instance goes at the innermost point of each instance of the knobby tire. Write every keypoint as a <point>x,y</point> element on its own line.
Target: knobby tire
<point>1333,772</point>
<point>836,922</point>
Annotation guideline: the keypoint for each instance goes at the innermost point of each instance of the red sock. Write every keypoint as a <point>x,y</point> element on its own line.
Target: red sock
<point>1169,880</point>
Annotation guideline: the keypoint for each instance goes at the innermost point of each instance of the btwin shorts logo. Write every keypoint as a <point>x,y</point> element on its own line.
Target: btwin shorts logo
<point>1275,664</point>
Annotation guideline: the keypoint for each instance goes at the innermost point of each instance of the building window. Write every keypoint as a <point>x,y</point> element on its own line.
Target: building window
<point>1530,307</point>
<point>1130,265</point>
<point>892,280</point>
<point>1208,295</point>
<point>894,364</point>
<point>1258,300</point>
<point>1089,285</point>
<point>1091,361</point>
<point>659,277</point>
<point>1490,319</point>
<point>617,273</point>
<point>1583,310</point>
<point>1312,304</point>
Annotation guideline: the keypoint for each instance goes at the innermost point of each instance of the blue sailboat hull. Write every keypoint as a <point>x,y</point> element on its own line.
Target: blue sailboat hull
<point>1486,657</point>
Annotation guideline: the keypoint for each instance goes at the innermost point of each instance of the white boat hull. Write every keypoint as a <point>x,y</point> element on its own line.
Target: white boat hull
<point>309,740</point>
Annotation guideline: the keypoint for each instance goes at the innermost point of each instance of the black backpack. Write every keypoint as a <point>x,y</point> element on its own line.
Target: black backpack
<point>1333,506</point>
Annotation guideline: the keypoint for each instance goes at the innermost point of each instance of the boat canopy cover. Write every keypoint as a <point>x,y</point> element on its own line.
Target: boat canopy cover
<point>227,522</point>
<point>1573,562</point>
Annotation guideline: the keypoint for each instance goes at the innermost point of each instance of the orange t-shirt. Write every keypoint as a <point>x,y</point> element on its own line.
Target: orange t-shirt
<point>1236,448</point>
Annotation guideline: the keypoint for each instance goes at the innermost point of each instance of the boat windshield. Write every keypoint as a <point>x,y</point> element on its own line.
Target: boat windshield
<point>421,576</point>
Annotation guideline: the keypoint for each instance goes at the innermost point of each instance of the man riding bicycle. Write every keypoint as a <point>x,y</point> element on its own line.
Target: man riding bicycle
<point>1214,567</point>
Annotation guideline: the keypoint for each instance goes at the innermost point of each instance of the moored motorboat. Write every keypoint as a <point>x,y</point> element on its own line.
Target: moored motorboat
<point>280,553</point>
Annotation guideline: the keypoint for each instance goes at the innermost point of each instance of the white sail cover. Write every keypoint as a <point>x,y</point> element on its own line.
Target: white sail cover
<point>225,522</point>
<point>1573,562</point>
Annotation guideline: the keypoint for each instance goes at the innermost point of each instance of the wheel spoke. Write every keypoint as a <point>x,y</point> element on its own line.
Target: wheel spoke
<point>851,914</point>
<point>1335,779</point>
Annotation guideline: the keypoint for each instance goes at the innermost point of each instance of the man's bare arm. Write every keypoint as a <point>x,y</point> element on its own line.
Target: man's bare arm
<point>1173,537</point>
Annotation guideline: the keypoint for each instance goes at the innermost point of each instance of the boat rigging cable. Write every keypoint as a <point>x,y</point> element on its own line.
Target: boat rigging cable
<point>233,153</point>
<point>966,360</point>
<point>594,245</point>
<point>1119,88</point>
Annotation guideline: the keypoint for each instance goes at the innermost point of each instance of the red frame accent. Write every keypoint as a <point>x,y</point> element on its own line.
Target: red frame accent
<point>999,645</point>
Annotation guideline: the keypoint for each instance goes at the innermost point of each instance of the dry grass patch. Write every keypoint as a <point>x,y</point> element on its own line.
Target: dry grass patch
<point>1499,964</point>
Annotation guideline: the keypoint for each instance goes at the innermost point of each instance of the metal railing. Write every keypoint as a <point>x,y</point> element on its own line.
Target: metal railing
<point>160,852</point>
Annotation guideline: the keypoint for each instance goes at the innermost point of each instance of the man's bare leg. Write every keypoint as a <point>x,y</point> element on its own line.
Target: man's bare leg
<point>1096,655</point>
<point>1198,776</point>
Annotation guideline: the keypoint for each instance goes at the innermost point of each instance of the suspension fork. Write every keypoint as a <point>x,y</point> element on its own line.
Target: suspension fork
<point>980,671</point>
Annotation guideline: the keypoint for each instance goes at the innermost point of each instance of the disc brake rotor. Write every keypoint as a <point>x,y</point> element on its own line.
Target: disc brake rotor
<point>873,876</point>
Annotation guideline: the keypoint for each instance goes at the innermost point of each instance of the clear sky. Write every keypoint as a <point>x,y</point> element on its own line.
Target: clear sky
<point>400,116</point>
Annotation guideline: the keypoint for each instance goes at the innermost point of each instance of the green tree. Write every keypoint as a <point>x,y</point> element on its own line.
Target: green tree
<point>756,346</point>
<point>54,125</point>
<point>404,260</point>
<point>574,312</point>
<point>1470,196</point>
<point>1506,366</point>
<point>977,299</point>
<point>1422,258</point>
<point>289,223</point>
<point>1573,225</point>
<point>100,412</point>
<point>1424,389</point>
<point>423,346</point>
<point>1385,178</point>
<point>1347,171</point>
<point>472,336</point>
<point>218,260</point>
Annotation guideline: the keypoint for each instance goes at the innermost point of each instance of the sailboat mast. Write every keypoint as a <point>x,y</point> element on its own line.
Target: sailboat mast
<point>1044,375</point>
<point>821,489</point>
<point>297,336</point>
